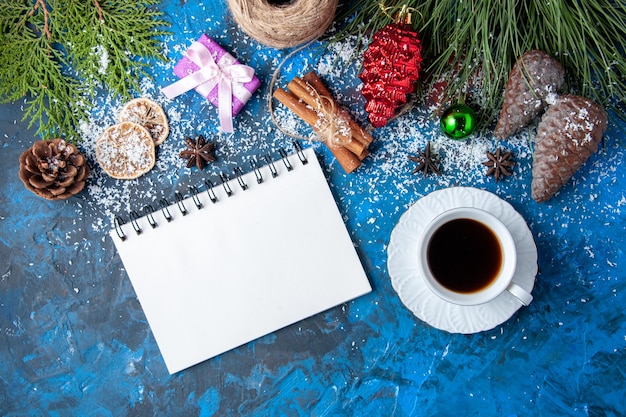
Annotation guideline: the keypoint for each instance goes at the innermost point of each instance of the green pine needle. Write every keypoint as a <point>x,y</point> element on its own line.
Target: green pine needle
<point>58,53</point>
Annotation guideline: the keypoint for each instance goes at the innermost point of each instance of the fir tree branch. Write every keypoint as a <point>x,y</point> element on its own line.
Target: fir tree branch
<point>58,53</point>
<point>472,45</point>
<point>41,4</point>
<point>100,12</point>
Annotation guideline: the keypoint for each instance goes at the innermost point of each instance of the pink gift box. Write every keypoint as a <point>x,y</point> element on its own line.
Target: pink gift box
<point>241,91</point>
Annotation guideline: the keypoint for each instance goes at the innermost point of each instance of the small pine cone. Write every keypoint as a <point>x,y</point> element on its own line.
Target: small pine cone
<point>569,132</point>
<point>53,169</point>
<point>534,79</point>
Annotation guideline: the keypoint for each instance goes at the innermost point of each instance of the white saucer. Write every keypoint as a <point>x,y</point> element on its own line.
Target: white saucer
<point>410,285</point>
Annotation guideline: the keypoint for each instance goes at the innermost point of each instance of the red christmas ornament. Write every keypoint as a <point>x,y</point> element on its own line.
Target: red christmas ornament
<point>391,64</point>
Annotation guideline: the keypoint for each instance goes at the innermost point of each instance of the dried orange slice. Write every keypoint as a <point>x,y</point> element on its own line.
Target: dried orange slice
<point>148,114</point>
<point>125,151</point>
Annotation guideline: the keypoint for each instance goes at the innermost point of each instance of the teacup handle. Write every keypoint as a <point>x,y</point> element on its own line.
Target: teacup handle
<point>521,294</point>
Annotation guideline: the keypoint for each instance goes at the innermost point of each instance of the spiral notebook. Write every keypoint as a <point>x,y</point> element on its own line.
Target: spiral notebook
<point>239,259</point>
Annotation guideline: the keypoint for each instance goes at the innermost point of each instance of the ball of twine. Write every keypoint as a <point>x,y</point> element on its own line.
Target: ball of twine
<point>283,23</point>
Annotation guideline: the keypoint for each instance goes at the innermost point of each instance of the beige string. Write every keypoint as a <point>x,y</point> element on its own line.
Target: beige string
<point>270,94</point>
<point>281,24</point>
<point>334,126</point>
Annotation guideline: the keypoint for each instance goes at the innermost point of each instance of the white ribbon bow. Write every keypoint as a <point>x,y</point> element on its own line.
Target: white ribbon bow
<point>228,76</point>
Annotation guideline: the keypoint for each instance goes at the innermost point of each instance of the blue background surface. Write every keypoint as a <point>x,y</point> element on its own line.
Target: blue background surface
<point>74,340</point>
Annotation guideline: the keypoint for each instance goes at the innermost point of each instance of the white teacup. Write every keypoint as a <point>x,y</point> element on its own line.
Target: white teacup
<point>467,256</point>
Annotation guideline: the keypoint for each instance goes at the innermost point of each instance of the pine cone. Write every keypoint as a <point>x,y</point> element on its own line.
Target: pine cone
<point>535,77</point>
<point>569,132</point>
<point>53,169</point>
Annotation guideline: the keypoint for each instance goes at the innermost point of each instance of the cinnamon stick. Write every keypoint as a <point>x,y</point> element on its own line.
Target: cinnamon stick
<point>308,95</point>
<point>348,160</point>
<point>358,132</point>
<point>293,103</point>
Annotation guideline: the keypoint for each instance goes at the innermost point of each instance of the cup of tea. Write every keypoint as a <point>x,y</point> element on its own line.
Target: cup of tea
<point>467,256</point>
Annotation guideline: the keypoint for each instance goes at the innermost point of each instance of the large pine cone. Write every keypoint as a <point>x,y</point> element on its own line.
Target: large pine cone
<point>569,132</point>
<point>534,78</point>
<point>53,169</point>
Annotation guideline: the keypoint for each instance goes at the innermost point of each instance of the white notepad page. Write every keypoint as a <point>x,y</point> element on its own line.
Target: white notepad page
<point>242,267</point>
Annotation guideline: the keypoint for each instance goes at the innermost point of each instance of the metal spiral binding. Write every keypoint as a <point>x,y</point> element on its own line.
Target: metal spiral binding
<point>194,195</point>
<point>271,165</point>
<point>227,188</point>
<point>118,222</point>
<point>164,205</point>
<point>134,216</point>
<point>180,203</point>
<point>299,152</point>
<point>283,156</point>
<point>257,172</point>
<point>240,180</point>
<point>148,210</point>
<point>166,212</point>
<point>209,190</point>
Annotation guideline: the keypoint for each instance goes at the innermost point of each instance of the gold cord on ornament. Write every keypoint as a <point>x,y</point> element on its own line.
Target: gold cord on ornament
<point>405,15</point>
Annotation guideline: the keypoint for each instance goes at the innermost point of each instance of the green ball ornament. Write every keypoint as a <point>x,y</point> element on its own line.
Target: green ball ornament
<point>458,121</point>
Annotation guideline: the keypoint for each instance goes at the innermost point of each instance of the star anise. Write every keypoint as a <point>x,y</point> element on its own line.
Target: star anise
<point>199,152</point>
<point>499,164</point>
<point>426,161</point>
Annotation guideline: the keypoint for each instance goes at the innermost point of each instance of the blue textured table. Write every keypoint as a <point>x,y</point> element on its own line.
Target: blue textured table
<point>75,342</point>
